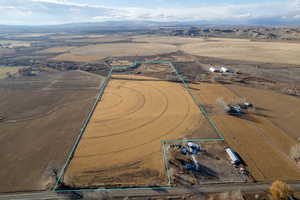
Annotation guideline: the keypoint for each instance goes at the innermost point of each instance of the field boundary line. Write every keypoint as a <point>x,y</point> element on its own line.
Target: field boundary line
<point>102,87</point>
<point>164,142</point>
<point>196,140</point>
<point>201,106</point>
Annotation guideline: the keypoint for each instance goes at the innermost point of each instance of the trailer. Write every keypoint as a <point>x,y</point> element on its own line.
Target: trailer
<point>233,157</point>
<point>224,70</point>
<point>212,69</point>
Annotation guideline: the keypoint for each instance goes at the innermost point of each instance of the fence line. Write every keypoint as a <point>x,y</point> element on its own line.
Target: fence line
<point>99,97</point>
<point>201,106</point>
<point>72,151</point>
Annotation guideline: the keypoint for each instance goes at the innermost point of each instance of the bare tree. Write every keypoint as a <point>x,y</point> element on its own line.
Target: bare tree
<point>281,190</point>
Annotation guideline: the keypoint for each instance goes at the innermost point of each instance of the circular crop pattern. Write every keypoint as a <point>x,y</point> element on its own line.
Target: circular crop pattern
<point>130,122</point>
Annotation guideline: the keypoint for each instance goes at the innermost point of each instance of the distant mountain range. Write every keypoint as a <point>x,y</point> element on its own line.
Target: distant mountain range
<point>124,26</point>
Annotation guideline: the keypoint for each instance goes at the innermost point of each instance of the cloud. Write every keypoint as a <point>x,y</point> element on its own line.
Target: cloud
<point>37,12</point>
<point>7,7</point>
<point>219,13</point>
<point>66,3</point>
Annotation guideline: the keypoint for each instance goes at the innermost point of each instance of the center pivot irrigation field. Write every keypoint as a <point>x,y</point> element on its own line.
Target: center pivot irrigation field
<point>122,142</point>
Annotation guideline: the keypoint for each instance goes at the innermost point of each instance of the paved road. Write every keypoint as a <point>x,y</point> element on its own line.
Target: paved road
<point>31,196</point>
<point>200,190</point>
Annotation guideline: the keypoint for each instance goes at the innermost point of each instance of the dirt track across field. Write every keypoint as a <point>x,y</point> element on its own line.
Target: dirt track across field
<point>263,145</point>
<point>122,143</point>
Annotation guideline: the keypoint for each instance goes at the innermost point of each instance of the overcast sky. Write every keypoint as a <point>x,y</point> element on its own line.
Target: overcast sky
<point>45,12</point>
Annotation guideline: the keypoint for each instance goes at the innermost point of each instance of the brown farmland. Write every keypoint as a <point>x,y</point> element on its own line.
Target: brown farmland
<point>56,50</point>
<point>122,143</point>
<point>263,145</point>
<point>283,110</point>
<point>167,39</point>
<point>40,118</point>
<point>246,50</point>
<point>93,53</point>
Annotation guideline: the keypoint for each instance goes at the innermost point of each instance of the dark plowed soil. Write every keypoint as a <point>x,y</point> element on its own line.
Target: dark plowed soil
<point>40,119</point>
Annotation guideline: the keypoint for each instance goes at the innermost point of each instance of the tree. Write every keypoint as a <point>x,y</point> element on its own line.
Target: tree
<point>281,190</point>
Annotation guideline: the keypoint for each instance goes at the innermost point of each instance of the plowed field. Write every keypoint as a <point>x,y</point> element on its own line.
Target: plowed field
<point>122,143</point>
<point>41,118</point>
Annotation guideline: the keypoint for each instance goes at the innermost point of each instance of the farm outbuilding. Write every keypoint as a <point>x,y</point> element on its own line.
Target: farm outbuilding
<point>233,157</point>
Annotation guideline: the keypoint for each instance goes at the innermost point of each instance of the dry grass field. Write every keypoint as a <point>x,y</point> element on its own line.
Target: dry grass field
<point>4,51</point>
<point>262,144</point>
<point>167,39</point>
<point>40,118</point>
<point>246,50</point>
<point>30,35</point>
<point>99,39</point>
<point>234,49</point>
<point>5,70</point>
<point>56,50</point>
<point>58,37</point>
<point>122,143</point>
<point>93,53</point>
<point>282,110</point>
<point>15,43</point>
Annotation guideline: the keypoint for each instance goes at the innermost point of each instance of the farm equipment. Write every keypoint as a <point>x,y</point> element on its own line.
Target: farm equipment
<point>234,110</point>
<point>191,148</point>
<point>246,105</point>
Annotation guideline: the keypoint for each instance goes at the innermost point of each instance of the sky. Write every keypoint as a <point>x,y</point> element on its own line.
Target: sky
<point>231,12</point>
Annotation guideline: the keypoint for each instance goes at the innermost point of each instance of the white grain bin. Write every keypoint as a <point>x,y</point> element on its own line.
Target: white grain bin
<point>224,69</point>
<point>233,157</point>
<point>212,69</point>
